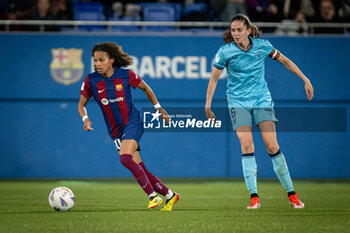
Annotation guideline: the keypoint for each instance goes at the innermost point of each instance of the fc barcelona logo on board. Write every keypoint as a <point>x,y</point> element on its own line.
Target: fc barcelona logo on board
<point>119,87</point>
<point>66,66</point>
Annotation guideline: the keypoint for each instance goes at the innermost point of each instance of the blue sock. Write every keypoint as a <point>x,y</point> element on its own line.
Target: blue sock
<point>281,169</point>
<point>249,172</point>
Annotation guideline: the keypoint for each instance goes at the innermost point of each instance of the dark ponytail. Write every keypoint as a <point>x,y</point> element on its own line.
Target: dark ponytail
<point>255,32</point>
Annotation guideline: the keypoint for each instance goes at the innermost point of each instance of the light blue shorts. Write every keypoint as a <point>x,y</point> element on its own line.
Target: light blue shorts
<point>244,112</point>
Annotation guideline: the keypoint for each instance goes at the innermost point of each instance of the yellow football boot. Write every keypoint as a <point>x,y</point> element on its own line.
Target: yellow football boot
<point>171,202</point>
<point>154,202</point>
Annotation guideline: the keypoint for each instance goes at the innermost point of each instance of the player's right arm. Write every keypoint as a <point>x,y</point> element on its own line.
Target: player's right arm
<point>215,75</point>
<point>85,94</point>
<point>219,62</point>
<point>83,113</point>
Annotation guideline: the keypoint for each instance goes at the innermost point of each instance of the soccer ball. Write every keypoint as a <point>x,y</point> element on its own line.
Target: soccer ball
<point>61,199</point>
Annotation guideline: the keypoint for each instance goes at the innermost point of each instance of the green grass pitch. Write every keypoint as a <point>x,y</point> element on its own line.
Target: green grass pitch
<point>204,206</point>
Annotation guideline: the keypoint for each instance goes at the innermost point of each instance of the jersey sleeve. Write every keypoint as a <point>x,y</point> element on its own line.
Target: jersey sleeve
<point>272,52</point>
<point>134,79</point>
<point>220,59</point>
<point>85,88</point>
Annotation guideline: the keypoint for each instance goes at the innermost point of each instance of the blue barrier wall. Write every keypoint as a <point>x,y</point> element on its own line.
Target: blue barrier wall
<point>42,135</point>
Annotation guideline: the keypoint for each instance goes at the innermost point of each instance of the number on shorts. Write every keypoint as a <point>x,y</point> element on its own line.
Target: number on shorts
<point>233,112</point>
<point>117,143</point>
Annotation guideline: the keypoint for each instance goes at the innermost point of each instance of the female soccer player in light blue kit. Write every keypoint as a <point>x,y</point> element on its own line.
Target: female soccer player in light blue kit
<point>249,99</point>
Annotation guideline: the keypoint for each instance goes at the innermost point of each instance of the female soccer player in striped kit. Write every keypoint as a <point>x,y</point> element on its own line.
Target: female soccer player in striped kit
<point>110,85</point>
<point>249,99</point>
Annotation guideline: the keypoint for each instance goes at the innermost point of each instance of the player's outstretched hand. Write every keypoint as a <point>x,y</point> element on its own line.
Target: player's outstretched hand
<point>87,125</point>
<point>165,116</point>
<point>210,115</point>
<point>309,90</point>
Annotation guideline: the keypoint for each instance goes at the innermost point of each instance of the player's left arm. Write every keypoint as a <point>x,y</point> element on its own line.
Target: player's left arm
<point>294,69</point>
<point>152,97</point>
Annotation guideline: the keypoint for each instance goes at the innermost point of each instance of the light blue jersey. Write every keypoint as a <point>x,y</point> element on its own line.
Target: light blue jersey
<point>245,70</point>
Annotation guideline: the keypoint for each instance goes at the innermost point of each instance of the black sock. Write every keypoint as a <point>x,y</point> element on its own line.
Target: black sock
<point>291,193</point>
<point>253,195</point>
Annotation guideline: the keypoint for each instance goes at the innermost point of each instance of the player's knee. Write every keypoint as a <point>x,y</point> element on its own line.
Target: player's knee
<point>247,145</point>
<point>272,148</point>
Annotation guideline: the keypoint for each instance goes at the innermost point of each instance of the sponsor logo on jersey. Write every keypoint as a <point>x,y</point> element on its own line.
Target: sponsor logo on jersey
<point>119,99</point>
<point>119,87</point>
<point>105,101</point>
<point>66,66</point>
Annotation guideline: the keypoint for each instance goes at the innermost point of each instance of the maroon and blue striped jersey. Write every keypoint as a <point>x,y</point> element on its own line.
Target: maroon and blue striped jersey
<point>113,95</point>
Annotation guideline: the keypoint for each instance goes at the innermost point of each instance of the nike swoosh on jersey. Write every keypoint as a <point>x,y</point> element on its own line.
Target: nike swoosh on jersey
<point>99,91</point>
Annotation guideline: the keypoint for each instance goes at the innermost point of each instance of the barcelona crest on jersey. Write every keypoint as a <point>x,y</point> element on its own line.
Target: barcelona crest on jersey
<point>119,87</point>
<point>66,66</point>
